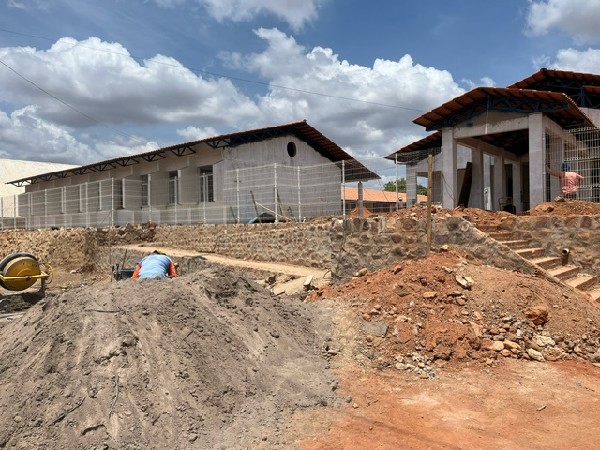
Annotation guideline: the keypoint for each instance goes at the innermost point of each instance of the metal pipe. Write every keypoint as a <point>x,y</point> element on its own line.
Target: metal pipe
<point>565,252</point>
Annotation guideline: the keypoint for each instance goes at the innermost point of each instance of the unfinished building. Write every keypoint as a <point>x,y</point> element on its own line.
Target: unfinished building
<point>495,148</point>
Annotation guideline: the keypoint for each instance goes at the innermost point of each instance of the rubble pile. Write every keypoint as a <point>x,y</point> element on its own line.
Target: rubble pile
<point>421,315</point>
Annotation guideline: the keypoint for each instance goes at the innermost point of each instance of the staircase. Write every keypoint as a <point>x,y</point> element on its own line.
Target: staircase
<point>552,265</point>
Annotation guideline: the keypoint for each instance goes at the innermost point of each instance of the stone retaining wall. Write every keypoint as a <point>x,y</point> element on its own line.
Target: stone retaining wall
<point>65,247</point>
<point>580,234</point>
<point>344,247</point>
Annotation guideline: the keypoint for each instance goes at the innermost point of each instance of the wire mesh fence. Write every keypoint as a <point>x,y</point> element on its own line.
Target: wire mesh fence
<point>269,193</point>
<point>275,192</point>
<point>573,165</point>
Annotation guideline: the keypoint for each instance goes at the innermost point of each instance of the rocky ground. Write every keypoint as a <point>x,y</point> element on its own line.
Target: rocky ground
<point>422,315</point>
<point>442,352</point>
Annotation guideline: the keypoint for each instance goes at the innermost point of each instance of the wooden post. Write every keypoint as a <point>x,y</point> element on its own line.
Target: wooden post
<point>429,192</point>
<point>360,199</point>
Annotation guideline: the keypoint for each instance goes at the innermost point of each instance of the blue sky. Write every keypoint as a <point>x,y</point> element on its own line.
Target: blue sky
<point>86,80</point>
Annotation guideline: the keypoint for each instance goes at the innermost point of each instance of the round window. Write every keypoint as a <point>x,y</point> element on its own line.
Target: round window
<point>291,149</point>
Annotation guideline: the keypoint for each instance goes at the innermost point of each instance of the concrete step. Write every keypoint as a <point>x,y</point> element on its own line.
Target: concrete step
<point>582,281</point>
<point>547,262</point>
<point>563,272</point>
<point>487,228</point>
<point>595,294</point>
<point>517,243</point>
<point>501,235</point>
<point>530,253</point>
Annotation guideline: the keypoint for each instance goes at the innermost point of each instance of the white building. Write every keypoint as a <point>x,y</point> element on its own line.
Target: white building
<point>286,171</point>
<point>14,168</point>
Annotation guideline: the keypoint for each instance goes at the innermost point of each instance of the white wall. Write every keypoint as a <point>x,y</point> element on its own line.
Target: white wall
<point>593,114</point>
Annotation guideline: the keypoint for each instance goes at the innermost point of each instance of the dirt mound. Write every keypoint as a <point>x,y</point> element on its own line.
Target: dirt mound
<point>481,216</point>
<point>208,360</point>
<point>567,208</point>
<point>421,314</point>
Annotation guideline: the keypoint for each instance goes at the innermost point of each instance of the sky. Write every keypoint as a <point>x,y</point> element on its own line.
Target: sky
<point>87,80</point>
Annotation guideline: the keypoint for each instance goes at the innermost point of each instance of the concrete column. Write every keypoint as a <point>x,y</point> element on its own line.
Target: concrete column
<point>499,182</point>
<point>449,174</point>
<point>517,189</point>
<point>536,160</point>
<point>411,185</point>
<point>477,178</point>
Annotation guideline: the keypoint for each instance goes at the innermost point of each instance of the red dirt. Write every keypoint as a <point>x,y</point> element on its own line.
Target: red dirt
<point>432,380</point>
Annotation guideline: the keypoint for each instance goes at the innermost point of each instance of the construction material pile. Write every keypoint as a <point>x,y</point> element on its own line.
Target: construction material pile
<point>208,360</point>
<point>420,315</point>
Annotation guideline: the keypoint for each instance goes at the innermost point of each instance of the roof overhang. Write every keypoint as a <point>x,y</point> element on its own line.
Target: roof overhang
<point>418,150</point>
<point>558,106</point>
<point>301,130</point>
<point>574,84</point>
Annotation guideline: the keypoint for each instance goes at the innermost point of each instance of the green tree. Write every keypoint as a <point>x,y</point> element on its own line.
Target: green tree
<point>391,186</point>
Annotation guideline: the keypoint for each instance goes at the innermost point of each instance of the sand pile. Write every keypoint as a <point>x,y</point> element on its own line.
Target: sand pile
<point>208,360</point>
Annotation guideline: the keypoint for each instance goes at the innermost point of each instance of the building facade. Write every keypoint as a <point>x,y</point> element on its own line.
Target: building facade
<point>501,148</point>
<point>287,171</point>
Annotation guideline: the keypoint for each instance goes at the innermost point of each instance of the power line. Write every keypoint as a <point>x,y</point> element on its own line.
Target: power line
<point>87,116</point>
<point>220,75</point>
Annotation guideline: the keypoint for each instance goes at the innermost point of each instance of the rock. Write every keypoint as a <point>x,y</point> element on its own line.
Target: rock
<point>401,290</point>
<point>535,355</point>
<point>595,358</point>
<point>510,345</point>
<point>495,346</point>
<point>378,328</point>
<point>543,341</point>
<point>362,272</point>
<point>506,353</point>
<point>461,301</point>
<point>476,328</point>
<point>533,346</point>
<point>464,282</point>
<point>553,354</point>
<point>537,314</point>
<point>429,294</point>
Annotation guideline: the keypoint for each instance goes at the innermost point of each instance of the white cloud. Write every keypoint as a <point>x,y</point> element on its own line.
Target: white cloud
<point>24,135</point>
<point>295,12</point>
<point>28,4</point>
<point>196,134</point>
<point>485,81</point>
<point>103,81</point>
<point>577,18</point>
<point>587,61</point>
<point>366,125</point>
